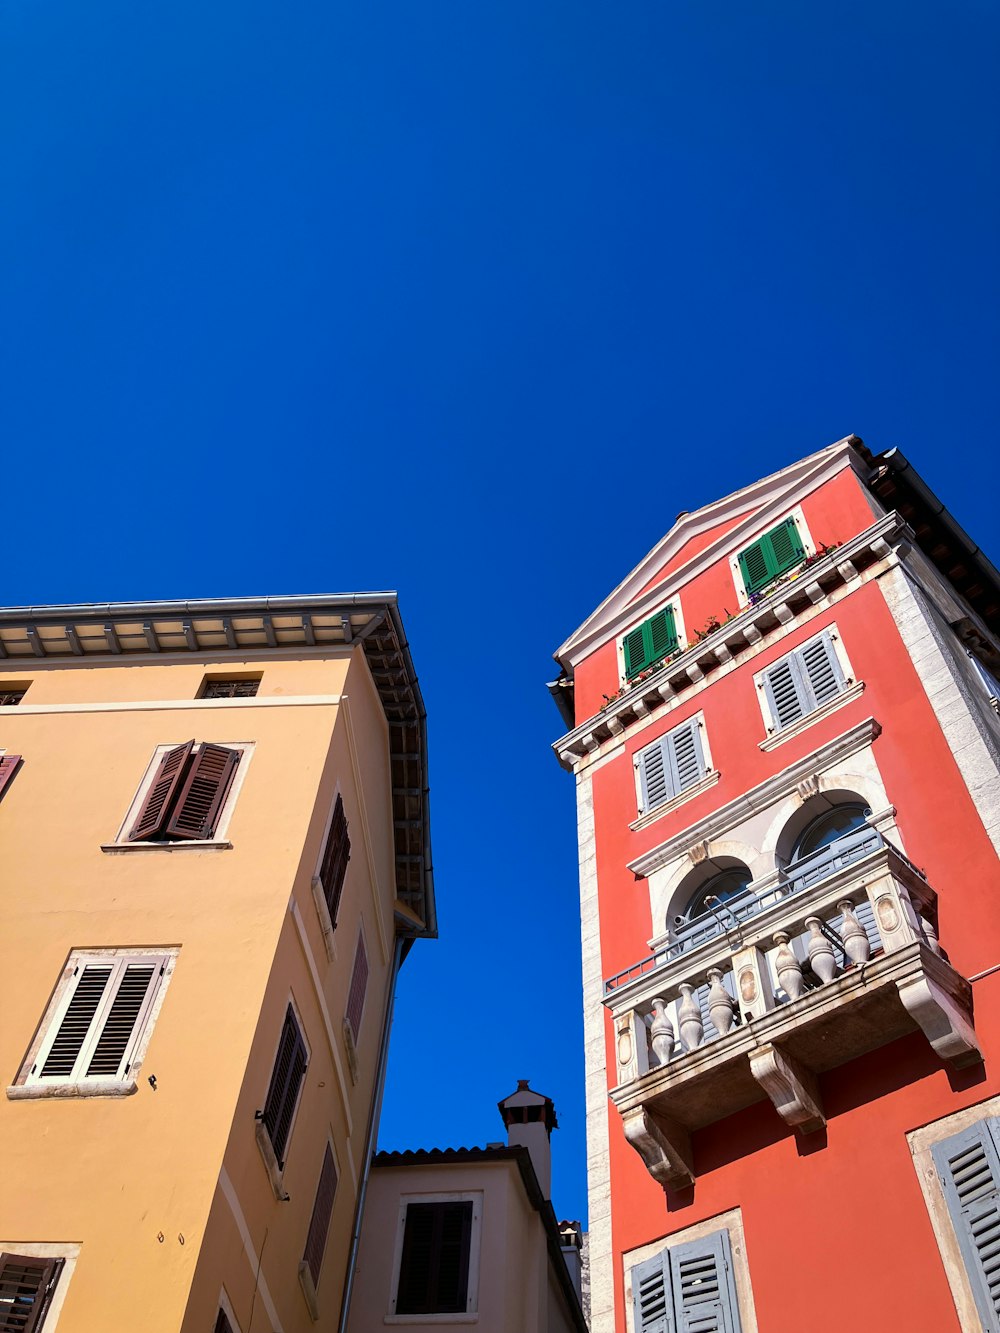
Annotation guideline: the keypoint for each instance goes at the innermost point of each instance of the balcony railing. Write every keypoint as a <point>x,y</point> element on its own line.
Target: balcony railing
<point>836,959</point>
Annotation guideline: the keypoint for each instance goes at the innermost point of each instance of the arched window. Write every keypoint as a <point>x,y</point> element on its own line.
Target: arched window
<point>829,827</point>
<point>702,918</point>
<point>834,839</point>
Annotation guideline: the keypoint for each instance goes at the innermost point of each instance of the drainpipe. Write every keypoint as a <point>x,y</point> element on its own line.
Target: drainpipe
<point>371,1134</point>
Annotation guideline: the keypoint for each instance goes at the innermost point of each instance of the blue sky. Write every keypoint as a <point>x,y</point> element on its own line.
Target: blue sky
<point>469,300</point>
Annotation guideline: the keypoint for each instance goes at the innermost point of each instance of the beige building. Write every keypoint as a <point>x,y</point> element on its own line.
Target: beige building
<point>467,1236</point>
<point>215,854</point>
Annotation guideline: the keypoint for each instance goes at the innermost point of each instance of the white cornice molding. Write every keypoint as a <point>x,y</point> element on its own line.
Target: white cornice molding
<point>764,795</point>
<point>160,705</point>
<point>755,504</point>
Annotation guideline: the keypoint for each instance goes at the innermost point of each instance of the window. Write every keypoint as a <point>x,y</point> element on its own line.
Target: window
<point>968,1165</point>
<point>218,687</point>
<point>671,765</point>
<point>986,678</point>
<point>222,1324</point>
<point>319,1223</point>
<point>184,797</point>
<point>286,1081</point>
<point>27,1285</point>
<point>99,1022</point>
<point>10,698</point>
<point>774,553</point>
<point>650,642</point>
<point>727,894</point>
<point>333,867</point>
<point>8,767</point>
<point>434,1264</point>
<point>356,995</point>
<point>686,1287</point>
<point>802,682</point>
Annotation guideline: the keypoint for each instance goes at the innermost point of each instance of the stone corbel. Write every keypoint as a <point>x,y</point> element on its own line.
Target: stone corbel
<point>791,1087</point>
<point>942,1020</point>
<point>663,1145</point>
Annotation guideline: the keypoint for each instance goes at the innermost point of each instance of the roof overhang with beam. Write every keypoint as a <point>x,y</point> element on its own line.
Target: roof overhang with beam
<point>258,626</point>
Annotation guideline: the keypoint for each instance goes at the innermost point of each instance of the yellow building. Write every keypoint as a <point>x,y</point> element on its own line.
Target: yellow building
<point>214,855</point>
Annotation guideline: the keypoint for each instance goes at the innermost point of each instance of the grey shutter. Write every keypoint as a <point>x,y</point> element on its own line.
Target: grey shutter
<point>687,759</point>
<point>786,692</point>
<point>969,1167</point>
<point>654,775</point>
<point>651,1296</point>
<point>704,1291</point>
<point>821,670</point>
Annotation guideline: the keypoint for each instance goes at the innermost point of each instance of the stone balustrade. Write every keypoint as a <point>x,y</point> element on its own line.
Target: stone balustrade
<point>810,981</point>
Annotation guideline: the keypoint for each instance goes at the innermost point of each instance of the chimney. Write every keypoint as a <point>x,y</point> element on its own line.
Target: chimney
<point>571,1243</point>
<point>530,1118</point>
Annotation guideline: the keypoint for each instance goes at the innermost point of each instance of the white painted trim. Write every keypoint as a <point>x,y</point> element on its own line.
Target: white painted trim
<point>226,1305</point>
<point>320,994</point>
<point>253,1258</point>
<point>921,1142</point>
<point>68,1252</point>
<point>476,1198</point>
<point>805,537</point>
<point>184,705</point>
<point>808,720</point>
<point>731,1221</point>
<point>218,839</point>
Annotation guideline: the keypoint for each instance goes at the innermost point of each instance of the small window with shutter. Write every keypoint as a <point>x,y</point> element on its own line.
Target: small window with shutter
<point>226,687</point>
<point>222,1324</point>
<point>649,643</point>
<point>185,794</point>
<point>285,1086</point>
<point>319,1222</point>
<point>671,765</point>
<point>968,1166</point>
<point>359,986</point>
<point>775,553</point>
<point>99,1023</point>
<point>438,1258</point>
<point>686,1287</point>
<point>333,866</point>
<point>803,681</point>
<point>27,1286</point>
<point>9,764</point>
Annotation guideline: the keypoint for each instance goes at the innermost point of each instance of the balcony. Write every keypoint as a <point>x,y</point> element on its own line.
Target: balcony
<point>836,956</point>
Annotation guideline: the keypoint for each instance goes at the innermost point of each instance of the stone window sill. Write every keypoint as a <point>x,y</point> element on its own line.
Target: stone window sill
<point>274,1171</point>
<point>470,1318</point>
<point>193,844</point>
<point>308,1290</point>
<point>644,821</point>
<point>95,1088</point>
<point>777,738</point>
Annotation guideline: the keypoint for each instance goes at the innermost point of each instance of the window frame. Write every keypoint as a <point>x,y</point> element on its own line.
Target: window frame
<point>210,681</point>
<point>309,1281</point>
<point>12,687</point>
<point>64,1253</point>
<point>708,776</point>
<point>276,1167</point>
<point>809,548</point>
<point>775,733</point>
<point>476,1198</point>
<point>29,1084</point>
<point>672,602</point>
<point>219,838</point>
<point>328,924</point>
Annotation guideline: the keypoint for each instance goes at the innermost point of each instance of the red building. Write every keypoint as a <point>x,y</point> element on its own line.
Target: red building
<point>786,746</point>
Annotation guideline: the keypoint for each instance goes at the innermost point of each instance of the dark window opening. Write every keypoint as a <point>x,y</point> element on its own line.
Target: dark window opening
<point>9,698</point>
<point>434,1268</point>
<point>217,687</point>
<point>26,1287</point>
<point>286,1080</point>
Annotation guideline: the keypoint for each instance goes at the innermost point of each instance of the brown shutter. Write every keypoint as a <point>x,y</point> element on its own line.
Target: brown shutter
<point>319,1223</point>
<point>356,995</point>
<point>208,777</point>
<point>336,855</point>
<point>26,1286</point>
<point>8,765</point>
<point>161,792</point>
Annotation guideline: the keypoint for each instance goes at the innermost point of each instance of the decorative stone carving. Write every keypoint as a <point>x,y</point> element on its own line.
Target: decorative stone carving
<point>698,852</point>
<point>721,1004</point>
<point>821,955</point>
<point>887,914</point>
<point>808,787</point>
<point>788,968</point>
<point>942,1009</point>
<point>853,933</point>
<point>631,1047</point>
<point>689,1018</point>
<point>661,1032</point>
<point>791,1087</point>
<point>930,935</point>
<point>748,985</point>
<point>754,990</point>
<point>663,1145</point>
<point>814,592</point>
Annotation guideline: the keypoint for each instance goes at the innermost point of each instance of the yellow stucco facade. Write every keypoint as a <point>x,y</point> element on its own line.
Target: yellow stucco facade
<point>161,1198</point>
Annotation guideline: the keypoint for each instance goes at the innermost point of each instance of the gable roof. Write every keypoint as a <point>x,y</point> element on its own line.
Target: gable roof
<point>755,505</point>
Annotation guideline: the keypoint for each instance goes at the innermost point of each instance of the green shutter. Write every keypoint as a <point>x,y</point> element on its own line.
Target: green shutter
<point>650,642</point>
<point>771,555</point>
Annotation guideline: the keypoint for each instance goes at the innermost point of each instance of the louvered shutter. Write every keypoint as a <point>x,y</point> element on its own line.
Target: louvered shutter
<point>319,1223</point>
<point>687,759</point>
<point>969,1167</point>
<point>26,1286</point>
<point>286,1078</point>
<point>821,670</point>
<point>222,1324</point>
<point>124,1022</point>
<point>771,555</point>
<point>434,1266</point>
<point>787,692</point>
<point>91,981</point>
<point>786,545</point>
<point>652,1298</point>
<point>162,790</point>
<point>755,567</point>
<point>670,765</point>
<point>649,642</point>
<point>8,767</point>
<point>704,1291</point>
<point>359,984</point>
<point>336,855</point>
<point>654,776</point>
<point>208,777</point>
